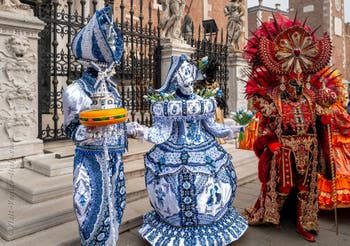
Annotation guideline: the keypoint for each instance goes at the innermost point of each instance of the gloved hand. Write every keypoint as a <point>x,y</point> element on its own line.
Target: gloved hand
<point>275,146</point>
<point>235,129</point>
<point>135,130</point>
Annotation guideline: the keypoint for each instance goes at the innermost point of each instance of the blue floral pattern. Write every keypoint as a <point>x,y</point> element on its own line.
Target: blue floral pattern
<point>190,178</point>
<point>99,182</point>
<point>201,181</point>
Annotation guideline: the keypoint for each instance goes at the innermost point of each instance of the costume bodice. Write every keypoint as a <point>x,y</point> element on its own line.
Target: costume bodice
<point>189,133</point>
<point>298,118</point>
<point>184,133</point>
<point>76,98</point>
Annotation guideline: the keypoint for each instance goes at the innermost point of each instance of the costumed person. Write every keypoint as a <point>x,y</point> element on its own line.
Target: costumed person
<point>285,57</point>
<point>340,144</point>
<point>209,68</point>
<point>250,133</point>
<point>92,107</point>
<point>190,178</point>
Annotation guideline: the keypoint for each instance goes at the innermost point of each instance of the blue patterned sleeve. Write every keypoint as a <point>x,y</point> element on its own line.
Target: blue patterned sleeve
<point>216,129</point>
<point>159,132</point>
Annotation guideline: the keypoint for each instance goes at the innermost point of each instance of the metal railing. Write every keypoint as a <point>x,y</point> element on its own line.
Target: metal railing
<point>138,70</point>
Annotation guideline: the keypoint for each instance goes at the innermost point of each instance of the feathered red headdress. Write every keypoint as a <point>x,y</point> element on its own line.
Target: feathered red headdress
<point>283,47</point>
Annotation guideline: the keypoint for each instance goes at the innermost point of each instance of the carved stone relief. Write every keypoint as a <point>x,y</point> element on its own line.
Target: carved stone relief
<point>234,11</point>
<point>171,20</point>
<point>17,89</point>
<point>14,6</point>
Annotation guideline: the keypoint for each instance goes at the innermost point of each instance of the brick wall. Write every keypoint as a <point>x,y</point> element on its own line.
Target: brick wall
<point>347,51</point>
<point>215,11</point>
<point>331,20</point>
<point>265,15</point>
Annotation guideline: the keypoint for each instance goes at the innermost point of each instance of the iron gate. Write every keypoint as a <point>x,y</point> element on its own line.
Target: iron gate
<point>215,50</point>
<point>139,68</point>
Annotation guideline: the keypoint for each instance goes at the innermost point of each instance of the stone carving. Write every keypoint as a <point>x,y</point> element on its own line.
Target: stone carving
<point>187,28</point>
<point>171,19</point>
<point>17,125</point>
<point>13,5</point>
<point>235,11</point>
<point>17,90</point>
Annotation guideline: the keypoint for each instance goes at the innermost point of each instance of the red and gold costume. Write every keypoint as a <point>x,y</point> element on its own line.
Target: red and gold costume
<point>284,81</point>
<point>340,125</point>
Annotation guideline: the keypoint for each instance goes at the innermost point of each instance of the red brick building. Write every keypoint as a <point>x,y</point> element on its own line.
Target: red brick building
<point>199,10</point>
<point>329,15</point>
<point>347,51</point>
<point>262,13</point>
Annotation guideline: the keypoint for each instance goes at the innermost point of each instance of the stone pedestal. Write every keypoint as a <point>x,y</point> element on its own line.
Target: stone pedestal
<point>236,82</point>
<point>171,48</point>
<point>19,84</point>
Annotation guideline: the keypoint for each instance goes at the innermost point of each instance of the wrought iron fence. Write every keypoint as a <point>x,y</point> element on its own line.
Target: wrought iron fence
<point>216,50</point>
<point>139,68</point>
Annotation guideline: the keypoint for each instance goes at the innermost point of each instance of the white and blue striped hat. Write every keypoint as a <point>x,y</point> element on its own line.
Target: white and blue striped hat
<point>99,40</point>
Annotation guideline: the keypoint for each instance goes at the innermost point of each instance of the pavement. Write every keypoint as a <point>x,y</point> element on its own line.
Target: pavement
<point>246,196</point>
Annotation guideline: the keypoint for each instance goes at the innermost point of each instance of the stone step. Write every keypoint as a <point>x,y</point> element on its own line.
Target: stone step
<point>34,187</point>
<point>133,215</point>
<point>134,168</point>
<point>67,234</point>
<point>43,188</point>
<point>19,218</point>
<point>64,234</point>
<point>137,206</point>
<point>135,189</point>
<point>49,165</point>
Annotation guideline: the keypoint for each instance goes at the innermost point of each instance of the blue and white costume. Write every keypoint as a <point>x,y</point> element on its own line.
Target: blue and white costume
<point>190,178</point>
<point>99,183</point>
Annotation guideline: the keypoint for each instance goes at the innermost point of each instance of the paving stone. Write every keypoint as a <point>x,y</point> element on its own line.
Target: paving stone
<point>270,235</point>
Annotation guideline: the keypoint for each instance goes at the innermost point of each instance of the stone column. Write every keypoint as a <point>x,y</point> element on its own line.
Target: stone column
<point>172,47</point>
<point>235,84</point>
<point>18,84</point>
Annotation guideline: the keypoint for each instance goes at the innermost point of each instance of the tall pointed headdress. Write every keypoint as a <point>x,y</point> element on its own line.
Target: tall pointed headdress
<point>99,40</point>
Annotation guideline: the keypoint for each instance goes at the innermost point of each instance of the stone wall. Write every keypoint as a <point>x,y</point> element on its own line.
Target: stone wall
<point>18,84</point>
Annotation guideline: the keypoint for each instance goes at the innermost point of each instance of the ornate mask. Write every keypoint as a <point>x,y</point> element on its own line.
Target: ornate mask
<point>182,75</point>
<point>294,88</point>
<point>186,76</point>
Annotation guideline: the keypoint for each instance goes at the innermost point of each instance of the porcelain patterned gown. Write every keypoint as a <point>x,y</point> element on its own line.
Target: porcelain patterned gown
<point>190,178</point>
<point>99,183</point>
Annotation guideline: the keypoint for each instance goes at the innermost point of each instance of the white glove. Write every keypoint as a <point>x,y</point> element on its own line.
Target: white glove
<point>235,130</point>
<point>135,130</point>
